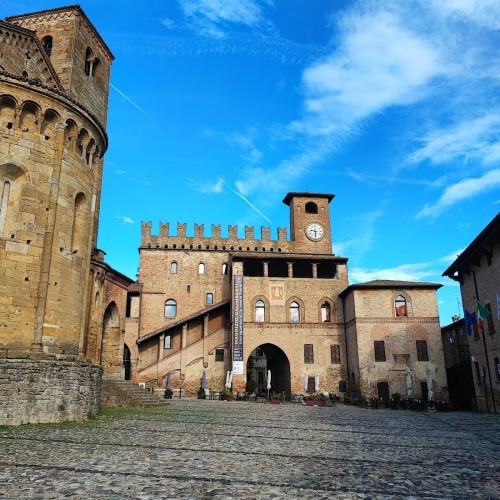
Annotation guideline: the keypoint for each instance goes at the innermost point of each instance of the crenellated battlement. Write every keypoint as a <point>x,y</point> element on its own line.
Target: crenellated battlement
<point>215,241</point>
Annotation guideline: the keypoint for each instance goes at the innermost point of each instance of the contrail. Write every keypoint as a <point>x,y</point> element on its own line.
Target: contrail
<point>245,200</point>
<point>130,100</point>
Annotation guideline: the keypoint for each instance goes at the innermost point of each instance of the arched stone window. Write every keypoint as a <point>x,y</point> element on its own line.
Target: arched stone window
<point>400,306</point>
<point>89,60</point>
<point>4,203</point>
<point>224,268</point>
<point>311,208</point>
<point>173,267</point>
<point>201,268</point>
<point>47,44</point>
<point>326,312</point>
<point>7,114</point>
<point>294,312</point>
<point>29,117</point>
<point>50,120</point>
<point>79,224</point>
<point>70,135</point>
<point>260,311</point>
<point>170,308</point>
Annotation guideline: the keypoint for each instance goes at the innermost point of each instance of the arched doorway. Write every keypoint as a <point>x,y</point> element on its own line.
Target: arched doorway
<point>126,362</point>
<point>269,357</point>
<point>111,356</point>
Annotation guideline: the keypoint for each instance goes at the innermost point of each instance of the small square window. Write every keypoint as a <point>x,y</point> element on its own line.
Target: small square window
<point>219,354</point>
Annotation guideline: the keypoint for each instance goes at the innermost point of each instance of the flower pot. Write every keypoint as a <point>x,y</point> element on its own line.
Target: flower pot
<point>275,401</point>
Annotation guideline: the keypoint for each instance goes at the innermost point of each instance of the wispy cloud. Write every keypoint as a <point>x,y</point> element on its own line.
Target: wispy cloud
<point>470,139</point>
<point>404,272</point>
<point>364,226</point>
<point>246,200</point>
<point>119,172</point>
<point>130,100</point>
<point>211,17</point>
<point>461,191</point>
<point>125,220</point>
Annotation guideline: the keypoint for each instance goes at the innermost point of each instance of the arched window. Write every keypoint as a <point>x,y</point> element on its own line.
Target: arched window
<point>326,312</point>
<point>260,311</point>
<point>224,268</point>
<point>170,308</point>
<point>201,268</point>
<point>4,203</point>
<point>311,208</point>
<point>294,313</point>
<point>173,267</point>
<point>400,306</point>
<point>89,59</point>
<point>79,224</point>
<point>47,44</point>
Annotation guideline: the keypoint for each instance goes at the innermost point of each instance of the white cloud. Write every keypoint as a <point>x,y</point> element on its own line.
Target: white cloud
<point>378,63</point>
<point>119,172</point>
<point>404,272</point>
<point>207,187</point>
<point>168,23</point>
<point>462,190</point>
<point>210,17</point>
<point>485,13</point>
<point>125,219</point>
<point>467,140</point>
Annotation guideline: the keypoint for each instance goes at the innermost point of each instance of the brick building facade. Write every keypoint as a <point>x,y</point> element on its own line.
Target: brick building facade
<point>477,269</point>
<point>250,305</point>
<point>54,82</point>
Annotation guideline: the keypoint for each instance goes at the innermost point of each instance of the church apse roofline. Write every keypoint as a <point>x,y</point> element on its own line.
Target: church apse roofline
<point>215,241</point>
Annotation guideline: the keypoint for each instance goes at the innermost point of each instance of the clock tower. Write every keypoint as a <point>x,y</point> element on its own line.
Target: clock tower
<point>310,222</point>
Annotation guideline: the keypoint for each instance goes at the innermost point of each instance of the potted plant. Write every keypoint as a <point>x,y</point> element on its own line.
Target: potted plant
<point>276,398</point>
<point>201,393</point>
<point>168,393</point>
<point>226,394</point>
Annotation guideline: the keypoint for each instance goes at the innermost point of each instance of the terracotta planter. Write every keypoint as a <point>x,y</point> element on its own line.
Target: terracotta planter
<point>315,403</point>
<point>275,401</point>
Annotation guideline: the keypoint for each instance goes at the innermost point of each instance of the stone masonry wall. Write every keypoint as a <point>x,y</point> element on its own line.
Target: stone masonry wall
<point>48,391</point>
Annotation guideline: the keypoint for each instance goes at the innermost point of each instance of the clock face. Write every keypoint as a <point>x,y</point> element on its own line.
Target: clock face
<point>315,231</point>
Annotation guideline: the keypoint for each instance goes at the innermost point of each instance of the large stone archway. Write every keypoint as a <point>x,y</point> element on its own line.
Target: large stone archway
<point>111,343</point>
<point>269,357</point>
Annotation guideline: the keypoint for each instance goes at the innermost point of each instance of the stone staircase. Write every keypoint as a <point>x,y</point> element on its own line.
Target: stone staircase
<point>127,394</point>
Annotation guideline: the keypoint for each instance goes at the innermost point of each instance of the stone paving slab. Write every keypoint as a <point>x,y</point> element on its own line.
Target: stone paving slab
<point>207,449</point>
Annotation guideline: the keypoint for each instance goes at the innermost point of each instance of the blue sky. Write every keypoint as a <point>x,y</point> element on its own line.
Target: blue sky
<point>219,108</point>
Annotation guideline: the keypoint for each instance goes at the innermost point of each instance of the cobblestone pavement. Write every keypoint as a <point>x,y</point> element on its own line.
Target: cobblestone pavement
<point>206,449</point>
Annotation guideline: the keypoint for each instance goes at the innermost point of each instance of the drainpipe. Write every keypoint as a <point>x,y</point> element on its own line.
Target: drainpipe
<point>486,355</point>
<point>345,339</point>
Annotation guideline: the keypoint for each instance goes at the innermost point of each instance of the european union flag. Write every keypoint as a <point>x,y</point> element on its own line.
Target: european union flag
<point>469,321</point>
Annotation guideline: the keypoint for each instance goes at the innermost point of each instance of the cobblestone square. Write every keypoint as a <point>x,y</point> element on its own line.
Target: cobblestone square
<point>206,449</point>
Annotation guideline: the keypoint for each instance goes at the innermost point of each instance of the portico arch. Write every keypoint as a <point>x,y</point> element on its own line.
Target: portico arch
<point>111,345</point>
<point>269,357</point>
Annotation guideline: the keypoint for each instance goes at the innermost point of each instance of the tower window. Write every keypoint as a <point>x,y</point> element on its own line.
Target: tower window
<point>201,268</point>
<point>168,342</point>
<point>173,267</point>
<point>400,306</point>
<point>311,208</point>
<point>47,44</point>
<point>170,308</point>
<point>260,311</point>
<point>326,312</point>
<point>4,202</point>
<point>210,298</point>
<point>294,313</point>
<point>379,346</point>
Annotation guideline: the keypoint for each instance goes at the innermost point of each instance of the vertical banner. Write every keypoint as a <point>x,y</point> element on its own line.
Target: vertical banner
<point>238,324</point>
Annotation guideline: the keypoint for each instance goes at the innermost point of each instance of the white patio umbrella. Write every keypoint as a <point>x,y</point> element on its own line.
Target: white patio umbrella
<point>230,379</point>
<point>227,384</point>
<point>204,380</point>
<point>430,392</point>
<point>306,384</point>
<point>268,382</point>
<point>316,383</point>
<point>169,380</point>
<point>409,386</point>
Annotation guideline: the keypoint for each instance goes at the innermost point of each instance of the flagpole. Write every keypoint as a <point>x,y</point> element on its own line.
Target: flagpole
<point>486,354</point>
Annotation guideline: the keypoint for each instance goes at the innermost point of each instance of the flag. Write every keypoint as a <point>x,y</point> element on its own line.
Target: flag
<point>469,321</point>
<point>483,312</point>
